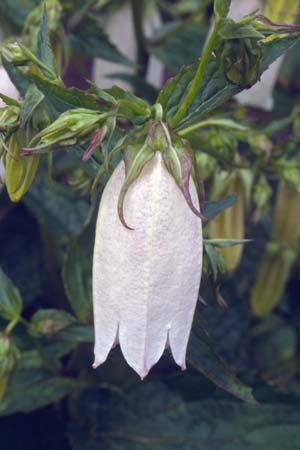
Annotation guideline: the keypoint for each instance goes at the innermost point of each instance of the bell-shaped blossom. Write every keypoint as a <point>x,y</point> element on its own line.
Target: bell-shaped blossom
<point>146,279</point>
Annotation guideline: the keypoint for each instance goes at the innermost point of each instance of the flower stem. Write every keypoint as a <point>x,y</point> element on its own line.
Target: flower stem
<point>198,76</point>
<point>138,7</point>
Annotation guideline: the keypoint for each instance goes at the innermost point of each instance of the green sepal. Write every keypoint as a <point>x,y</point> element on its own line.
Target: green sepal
<point>135,159</point>
<point>178,159</point>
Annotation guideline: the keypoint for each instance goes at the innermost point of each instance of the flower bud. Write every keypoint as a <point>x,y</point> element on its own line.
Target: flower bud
<point>9,354</point>
<point>67,129</point>
<point>9,118</point>
<point>14,53</point>
<point>20,170</point>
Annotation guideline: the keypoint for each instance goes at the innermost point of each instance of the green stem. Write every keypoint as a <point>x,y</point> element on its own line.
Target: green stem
<point>142,54</point>
<point>12,325</point>
<point>198,76</point>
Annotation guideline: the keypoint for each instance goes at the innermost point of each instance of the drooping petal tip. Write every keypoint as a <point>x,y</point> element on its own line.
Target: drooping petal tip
<point>97,363</point>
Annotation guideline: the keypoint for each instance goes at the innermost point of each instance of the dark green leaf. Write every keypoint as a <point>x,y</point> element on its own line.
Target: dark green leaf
<point>20,237</point>
<point>77,274</point>
<point>59,209</point>
<point>16,10</point>
<point>17,77</point>
<point>33,389</point>
<point>152,416</point>
<point>223,243</point>
<point>62,98</point>
<point>175,46</point>
<point>10,299</point>
<point>214,89</point>
<point>213,208</point>
<point>32,99</point>
<point>202,356</point>
<point>130,106</point>
<point>90,39</point>
<point>214,260</point>
<point>148,91</point>
<point>44,51</point>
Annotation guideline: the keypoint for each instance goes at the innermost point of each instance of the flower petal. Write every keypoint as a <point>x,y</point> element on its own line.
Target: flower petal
<point>148,279</point>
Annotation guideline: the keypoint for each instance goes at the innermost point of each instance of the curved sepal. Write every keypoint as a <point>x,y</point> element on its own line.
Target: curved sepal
<point>178,160</point>
<point>135,159</point>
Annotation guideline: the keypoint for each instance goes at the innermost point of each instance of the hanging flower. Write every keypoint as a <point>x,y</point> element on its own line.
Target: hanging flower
<point>147,270</point>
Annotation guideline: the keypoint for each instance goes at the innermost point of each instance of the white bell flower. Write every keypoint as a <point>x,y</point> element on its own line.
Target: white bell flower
<point>146,280</point>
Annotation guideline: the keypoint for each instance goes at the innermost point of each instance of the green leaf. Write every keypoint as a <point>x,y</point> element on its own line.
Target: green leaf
<point>59,209</point>
<point>138,84</point>
<point>223,243</point>
<point>32,100</point>
<point>16,10</point>
<point>89,39</point>
<point>33,389</point>
<point>214,89</point>
<point>215,260</point>
<point>213,208</point>
<point>62,98</point>
<point>17,77</point>
<point>153,416</point>
<point>50,321</point>
<point>221,7</point>
<point>202,356</point>
<point>77,274</point>
<point>232,30</point>
<point>130,106</point>
<point>176,46</point>
<point>44,51</point>
<point>10,299</point>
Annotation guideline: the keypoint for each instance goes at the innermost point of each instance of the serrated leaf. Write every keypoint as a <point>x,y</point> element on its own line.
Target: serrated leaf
<point>44,51</point>
<point>90,39</point>
<point>130,106</point>
<point>10,299</point>
<point>214,89</point>
<point>202,356</point>
<point>179,48</point>
<point>62,98</point>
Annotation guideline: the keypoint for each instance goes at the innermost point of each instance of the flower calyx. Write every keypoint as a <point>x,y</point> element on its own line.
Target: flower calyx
<point>178,158</point>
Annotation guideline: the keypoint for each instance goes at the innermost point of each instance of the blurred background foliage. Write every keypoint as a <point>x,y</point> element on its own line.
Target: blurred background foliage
<point>248,315</point>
